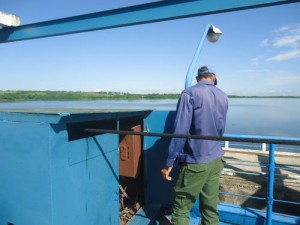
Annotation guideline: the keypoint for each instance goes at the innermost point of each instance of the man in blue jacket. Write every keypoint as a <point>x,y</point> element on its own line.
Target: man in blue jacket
<point>201,110</point>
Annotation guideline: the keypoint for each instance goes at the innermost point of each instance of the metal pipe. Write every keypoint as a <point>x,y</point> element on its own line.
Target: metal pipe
<point>271,184</point>
<point>240,138</point>
<point>287,202</point>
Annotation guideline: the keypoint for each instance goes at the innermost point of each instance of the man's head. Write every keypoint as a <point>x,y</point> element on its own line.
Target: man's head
<point>204,73</point>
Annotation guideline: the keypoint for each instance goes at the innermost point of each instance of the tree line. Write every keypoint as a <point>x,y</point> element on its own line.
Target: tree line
<point>16,96</point>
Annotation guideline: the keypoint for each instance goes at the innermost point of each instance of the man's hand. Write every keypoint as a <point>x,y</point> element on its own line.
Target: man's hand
<point>165,172</point>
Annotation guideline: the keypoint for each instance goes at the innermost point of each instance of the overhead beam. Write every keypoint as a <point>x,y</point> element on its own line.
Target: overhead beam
<point>139,14</point>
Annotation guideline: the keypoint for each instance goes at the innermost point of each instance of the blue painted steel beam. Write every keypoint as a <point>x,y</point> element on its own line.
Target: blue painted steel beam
<point>139,14</point>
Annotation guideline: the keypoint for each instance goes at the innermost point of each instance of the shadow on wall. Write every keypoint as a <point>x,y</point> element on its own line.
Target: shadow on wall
<point>157,190</point>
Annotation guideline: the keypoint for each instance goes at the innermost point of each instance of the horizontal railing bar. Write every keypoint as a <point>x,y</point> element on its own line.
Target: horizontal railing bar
<point>262,166</point>
<point>259,198</point>
<point>285,168</point>
<point>247,164</point>
<point>240,195</point>
<point>288,202</point>
<point>228,162</point>
<point>250,173</point>
<point>240,138</point>
<point>253,145</point>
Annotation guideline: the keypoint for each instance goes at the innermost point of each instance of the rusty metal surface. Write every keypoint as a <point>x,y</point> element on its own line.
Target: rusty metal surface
<point>130,153</point>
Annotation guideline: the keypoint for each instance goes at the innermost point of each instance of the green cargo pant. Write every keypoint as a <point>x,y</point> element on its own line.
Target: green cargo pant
<point>197,180</point>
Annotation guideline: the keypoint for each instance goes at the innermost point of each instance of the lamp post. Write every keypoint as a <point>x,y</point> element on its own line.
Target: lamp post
<point>212,34</point>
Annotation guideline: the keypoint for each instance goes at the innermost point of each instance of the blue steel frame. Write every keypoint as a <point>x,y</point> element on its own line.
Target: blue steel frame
<point>128,16</point>
<point>141,14</point>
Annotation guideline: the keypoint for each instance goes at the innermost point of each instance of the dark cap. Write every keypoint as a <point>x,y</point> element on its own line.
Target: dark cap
<point>205,70</point>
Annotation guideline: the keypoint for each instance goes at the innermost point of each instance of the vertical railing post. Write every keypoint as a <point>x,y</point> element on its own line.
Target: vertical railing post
<point>226,144</point>
<point>264,147</point>
<point>270,183</point>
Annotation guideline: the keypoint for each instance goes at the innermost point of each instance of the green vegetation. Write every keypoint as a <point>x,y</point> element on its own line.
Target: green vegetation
<point>17,96</point>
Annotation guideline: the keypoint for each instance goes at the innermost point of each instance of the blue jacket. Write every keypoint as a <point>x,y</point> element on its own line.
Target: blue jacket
<point>201,110</point>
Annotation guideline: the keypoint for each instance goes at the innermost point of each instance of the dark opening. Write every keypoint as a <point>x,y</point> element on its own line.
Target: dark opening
<point>131,177</point>
<point>77,130</point>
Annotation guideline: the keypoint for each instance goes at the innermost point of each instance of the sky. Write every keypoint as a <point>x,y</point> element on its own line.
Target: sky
<point>257,54</point>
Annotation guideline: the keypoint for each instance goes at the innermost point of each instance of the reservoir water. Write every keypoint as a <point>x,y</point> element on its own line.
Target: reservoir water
<point>248,116</point>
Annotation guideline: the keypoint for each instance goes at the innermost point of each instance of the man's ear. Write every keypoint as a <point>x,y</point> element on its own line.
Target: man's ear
<point>216,81</point>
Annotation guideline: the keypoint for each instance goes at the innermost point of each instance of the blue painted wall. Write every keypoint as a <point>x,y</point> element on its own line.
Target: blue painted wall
<point>24,174</point>
<point>46,179</point>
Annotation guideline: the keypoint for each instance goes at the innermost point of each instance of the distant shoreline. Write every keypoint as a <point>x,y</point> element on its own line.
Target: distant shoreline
<point>20,96</point>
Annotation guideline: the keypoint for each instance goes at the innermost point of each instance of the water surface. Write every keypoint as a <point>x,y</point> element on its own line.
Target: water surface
<point>248,116</point>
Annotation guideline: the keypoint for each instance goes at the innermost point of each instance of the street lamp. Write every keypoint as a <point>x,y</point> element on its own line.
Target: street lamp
<point>212,34</point>
<point>9,20</point>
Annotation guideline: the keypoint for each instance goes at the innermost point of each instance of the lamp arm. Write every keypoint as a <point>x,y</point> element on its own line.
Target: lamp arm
<point>191,70</point>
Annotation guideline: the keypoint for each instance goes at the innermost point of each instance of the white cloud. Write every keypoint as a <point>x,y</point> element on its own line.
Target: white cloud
<point>283,29</point>
<point>288,41</point>
<point>289,29</point>
<point>255,60</point>
<point>285,56</point>
<point>264,42</point>
<point>289,36</point>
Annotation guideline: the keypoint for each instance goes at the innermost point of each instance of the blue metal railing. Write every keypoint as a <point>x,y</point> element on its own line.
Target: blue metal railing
<point>271,171</point>
<point>241,138</point>
<point>260,146</point>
